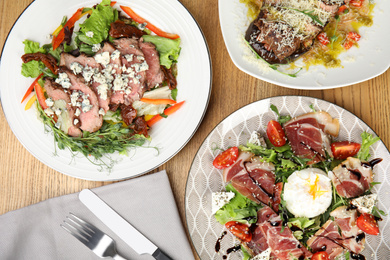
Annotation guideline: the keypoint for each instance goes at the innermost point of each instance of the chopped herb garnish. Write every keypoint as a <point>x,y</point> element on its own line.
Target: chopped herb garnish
<point>281,119</point>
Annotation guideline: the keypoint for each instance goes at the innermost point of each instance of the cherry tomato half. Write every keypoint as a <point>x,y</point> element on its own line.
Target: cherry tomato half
<point>345,149</point>
<point>368,224</point>
<point>356,3</point>
<point>320,256</point>
<point>240,230</point>
<point>226,158</point>
<point>354,36</point>
<point>323,38</point>
<point>275,133</point>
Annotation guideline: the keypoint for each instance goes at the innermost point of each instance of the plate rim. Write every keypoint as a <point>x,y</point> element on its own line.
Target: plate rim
<point>207,100</point>
<point>251,103</point>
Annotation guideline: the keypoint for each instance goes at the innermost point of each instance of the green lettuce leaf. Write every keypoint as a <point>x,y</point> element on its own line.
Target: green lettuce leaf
<point>98,23</point>
<point>32,68</point>
<point>32,47</point>
<point>367,141</point>
<point>168,49</point>
<point>240,209</point>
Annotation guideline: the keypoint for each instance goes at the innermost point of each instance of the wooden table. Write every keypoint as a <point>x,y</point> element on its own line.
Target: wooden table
<point>24,180</point>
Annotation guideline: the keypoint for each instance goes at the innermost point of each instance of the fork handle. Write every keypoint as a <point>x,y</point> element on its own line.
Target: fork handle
<point>118,257</point>
<point>159,255</point>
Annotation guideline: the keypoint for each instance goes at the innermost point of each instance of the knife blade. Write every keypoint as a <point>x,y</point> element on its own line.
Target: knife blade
<point>119,226</point>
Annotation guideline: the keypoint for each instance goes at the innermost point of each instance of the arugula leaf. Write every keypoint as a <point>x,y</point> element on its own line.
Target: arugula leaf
<point>98,23</point>
<point>239,208</point>
<point>168,49</point>
<point>281,119</point>
<point>367,141</point>
<point>246,255</point>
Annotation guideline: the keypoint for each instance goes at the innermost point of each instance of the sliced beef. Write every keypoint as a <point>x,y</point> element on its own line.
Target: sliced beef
<point>351,178</point>
<point>67,59</point>
<point>56,92</point>
<point>327,239</point>
<point>308,135</point>
<point>154,75</point>
<point>133,72</point>
<point>119,29</point>
<point>252,178</point>
<point>49,61</point>
<point>280,239</point>
<point>353,237</point>
<point>91,120</point>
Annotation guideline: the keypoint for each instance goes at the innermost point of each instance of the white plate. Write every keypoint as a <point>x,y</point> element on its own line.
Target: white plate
<point>371,59</point>
<point>169,135</point>
<point>203,178</point>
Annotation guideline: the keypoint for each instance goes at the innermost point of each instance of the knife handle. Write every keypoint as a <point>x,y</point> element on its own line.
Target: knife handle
<point>159,255</point>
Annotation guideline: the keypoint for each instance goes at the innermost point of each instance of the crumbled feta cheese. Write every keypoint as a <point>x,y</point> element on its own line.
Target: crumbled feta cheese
<point>49,111</point>
<point>77,112</point>
<point>115,55</point>
<point>103,58</point>
<point>76,67</point>
<point>366,203</point>
<point>89,34</point>
<point>58,111</point>
<point>140,58</point>
<point>96,47</point>
<point>102,91</point>
<point>219,199</point>
<point>256,139</point>
<point>76,121</point>
<point>49,102</point>
<point>99,78</point>
<point>63,80</point>
<point>129,57</point>
<point>118,84</point>
<point>102,112</point>
<point>265,255</point>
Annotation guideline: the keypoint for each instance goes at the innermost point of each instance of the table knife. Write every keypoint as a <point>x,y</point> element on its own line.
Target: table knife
<point>119,226</point>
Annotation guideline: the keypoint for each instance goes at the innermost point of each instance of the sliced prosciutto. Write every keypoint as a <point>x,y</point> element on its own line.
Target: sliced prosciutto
<point>252,178</point>
<point>351,178</point>
<point>280,239</point>
<point>308,135</point>
<point>327,239</point>
<point>353,237</point>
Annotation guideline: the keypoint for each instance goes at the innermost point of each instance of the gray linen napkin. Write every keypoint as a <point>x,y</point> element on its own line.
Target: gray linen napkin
<point>146,202</point>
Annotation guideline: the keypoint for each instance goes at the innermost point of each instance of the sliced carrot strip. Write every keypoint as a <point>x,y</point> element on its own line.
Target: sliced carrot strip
<point>158,101</point>
<point>150,26</point>
<point>168,111</point>
<point>57,40</point>
<point>31,88</point>
<point>40,96</point>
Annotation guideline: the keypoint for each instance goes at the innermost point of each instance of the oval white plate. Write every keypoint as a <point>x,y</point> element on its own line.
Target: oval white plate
<point>203,178</point>
<point>371,59</point>
<point>169,135</point>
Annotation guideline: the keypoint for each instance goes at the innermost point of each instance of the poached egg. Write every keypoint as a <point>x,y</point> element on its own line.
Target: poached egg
<point>308,193</point>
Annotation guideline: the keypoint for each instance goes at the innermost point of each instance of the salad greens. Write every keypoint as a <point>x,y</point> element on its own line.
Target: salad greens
<point>240,209</point>
<point>95,29</point>
<point>168,49</point>
<point>367,141</point>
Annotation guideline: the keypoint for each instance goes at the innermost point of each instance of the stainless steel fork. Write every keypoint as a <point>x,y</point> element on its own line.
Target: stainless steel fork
<point>100,243</point>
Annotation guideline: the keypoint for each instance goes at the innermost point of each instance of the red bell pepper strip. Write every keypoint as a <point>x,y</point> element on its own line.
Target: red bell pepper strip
<point>150,26</point>
<point>113,3</point>
<point>158,101</point>
<point>168,111</point>
<point>40,96</point>
<point>31,88</point>
<point>57,40</point>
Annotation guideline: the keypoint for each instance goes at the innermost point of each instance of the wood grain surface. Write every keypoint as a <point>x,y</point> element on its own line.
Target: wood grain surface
<point>24,180</point>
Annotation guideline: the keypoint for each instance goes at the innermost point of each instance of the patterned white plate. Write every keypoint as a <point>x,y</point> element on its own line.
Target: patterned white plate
<point>203,178</point>
<point>169,135</point>
<point>371,59</point>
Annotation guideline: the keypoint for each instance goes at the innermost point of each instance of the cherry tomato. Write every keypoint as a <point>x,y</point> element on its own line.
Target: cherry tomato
<point>322,255</point>
<point>348,44</point>
<point>367,223</point>
<point>353,36</point>
<point>226,158</point>
<point>356,3</point>
<point>342,9</point>
<point>240,230</point>
<point>323,38</point>
<point>345,149</point>
<point>275,133</point>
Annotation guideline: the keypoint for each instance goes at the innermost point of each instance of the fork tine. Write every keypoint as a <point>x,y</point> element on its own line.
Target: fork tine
<point>84,224</point>
<point>77,235</point>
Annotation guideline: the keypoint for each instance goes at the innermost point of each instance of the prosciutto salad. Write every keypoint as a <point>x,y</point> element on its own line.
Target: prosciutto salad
<point>295,193</point>
<point>104,80</point>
